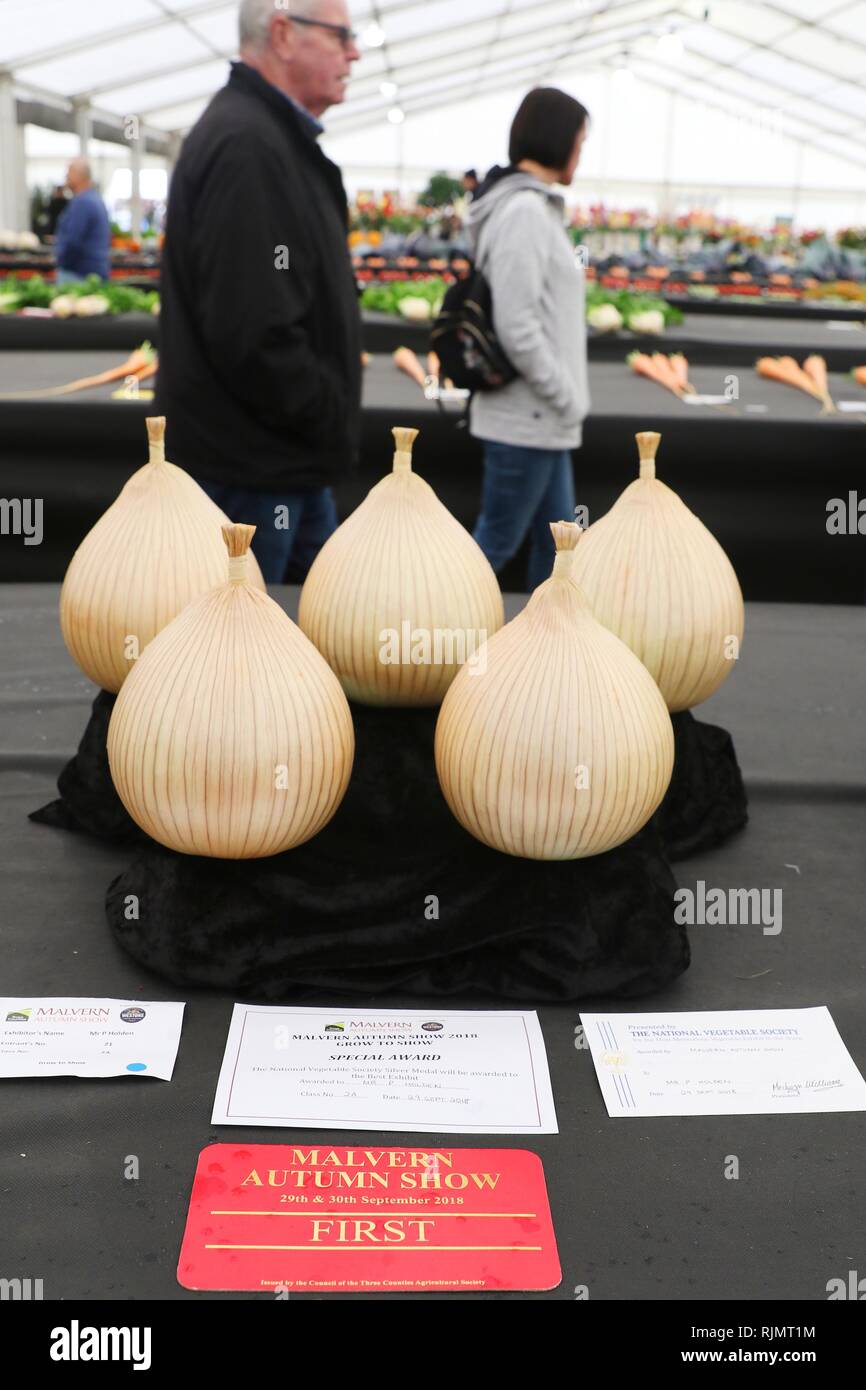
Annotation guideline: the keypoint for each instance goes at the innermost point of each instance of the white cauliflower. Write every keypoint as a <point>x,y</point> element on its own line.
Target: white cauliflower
<point>63,307</point>
<point>604,318</point>
<point>415,308</point>
<point>649,321</point>
<point>89,306</point>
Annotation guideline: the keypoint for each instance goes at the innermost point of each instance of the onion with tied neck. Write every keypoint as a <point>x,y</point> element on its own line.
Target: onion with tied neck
<point>657,578</point>
<point>401,564</point>
<point>557,744</point>
<point>157,547</point>
<point>231,737</point>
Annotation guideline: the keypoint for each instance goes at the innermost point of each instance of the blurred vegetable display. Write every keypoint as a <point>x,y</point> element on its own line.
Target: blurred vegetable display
<point>638,313</point>
<point>412,299</point>
<point>607,310</point>
<point>89,298</point>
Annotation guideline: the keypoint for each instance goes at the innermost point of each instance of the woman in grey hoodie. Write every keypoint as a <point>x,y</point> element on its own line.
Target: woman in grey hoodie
<point>530,426</point>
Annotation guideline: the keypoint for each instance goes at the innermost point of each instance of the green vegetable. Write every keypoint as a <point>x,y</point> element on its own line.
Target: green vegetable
<point>629,303</point>
<point>36,293</point>
<point>385,298</point>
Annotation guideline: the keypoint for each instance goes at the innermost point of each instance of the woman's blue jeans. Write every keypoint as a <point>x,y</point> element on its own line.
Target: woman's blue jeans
<point>524,490</point>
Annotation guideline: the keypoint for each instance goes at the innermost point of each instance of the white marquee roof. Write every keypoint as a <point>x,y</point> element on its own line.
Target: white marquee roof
<point>796,64</point>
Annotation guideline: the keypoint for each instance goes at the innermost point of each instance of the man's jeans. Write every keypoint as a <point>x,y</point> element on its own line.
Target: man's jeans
<point>524,490</point>
<point>291,527</point>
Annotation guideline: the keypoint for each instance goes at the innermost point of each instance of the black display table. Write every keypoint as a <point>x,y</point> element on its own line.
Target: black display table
<point>641,1207</point>
<point>717,339</point>
<point>759,473</point>
<point>812,309</point>
<point>22,333</point>
<point>738,340</point>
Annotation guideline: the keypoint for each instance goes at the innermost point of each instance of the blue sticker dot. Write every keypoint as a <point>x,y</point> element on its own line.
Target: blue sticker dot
<point>136,1066</point>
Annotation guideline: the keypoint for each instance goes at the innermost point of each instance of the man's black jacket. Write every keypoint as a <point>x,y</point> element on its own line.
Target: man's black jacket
<point>259,371</point>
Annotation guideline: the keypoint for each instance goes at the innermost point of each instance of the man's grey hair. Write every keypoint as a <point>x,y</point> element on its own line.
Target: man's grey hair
<point>254,18</point>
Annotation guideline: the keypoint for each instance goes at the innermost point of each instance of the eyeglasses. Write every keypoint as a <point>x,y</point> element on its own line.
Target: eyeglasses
<point>344,33</point>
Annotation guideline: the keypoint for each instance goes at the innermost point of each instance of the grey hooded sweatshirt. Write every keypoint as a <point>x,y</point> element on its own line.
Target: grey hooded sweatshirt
<point>519,241</point>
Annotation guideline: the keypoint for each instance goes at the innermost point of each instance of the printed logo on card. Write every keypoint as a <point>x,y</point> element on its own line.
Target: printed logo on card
<point>617,1061</point>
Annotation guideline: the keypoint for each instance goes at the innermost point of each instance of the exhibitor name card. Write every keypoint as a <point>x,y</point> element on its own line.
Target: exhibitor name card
<point>88,1037</point>
<point>447,1071</point>
<point>312,1217</point>
<point>742,1062</point>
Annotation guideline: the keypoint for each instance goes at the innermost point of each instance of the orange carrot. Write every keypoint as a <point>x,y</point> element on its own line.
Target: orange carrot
<point>433,364</point>
<point>802,378</point>
<point>815,368</point>
<point>407,361</point>
<point>137,363</point>
<point>859,375</point>
<point>680,364</point>
<point>668,373</point>
<point>786,371</point>
<point>644,365</point>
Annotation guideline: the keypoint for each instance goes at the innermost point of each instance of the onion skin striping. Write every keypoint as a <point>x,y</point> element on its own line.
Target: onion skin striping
<point>656,577</point>
<point>157,547</point>
<point>400,563</point>
<point>561,747</point>
<point>231,737</point>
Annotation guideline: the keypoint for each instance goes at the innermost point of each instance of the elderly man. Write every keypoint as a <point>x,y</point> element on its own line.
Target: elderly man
<point>260,330</point>
<point>83,230</point>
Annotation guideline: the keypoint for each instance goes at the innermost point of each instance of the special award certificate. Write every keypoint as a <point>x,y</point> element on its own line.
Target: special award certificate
<point>742,1062</point>
<point>446,1071</point>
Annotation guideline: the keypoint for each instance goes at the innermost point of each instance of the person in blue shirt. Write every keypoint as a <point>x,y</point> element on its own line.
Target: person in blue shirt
<point>83,232</point>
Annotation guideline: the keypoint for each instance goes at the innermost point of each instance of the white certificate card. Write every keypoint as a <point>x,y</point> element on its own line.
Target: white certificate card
<point>442,1070</point>
<point>88,1037</point>
<point>749,1062</point>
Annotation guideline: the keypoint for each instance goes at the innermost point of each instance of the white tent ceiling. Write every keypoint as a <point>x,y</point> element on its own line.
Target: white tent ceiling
<point>798,64</point>
<point>164,58</point>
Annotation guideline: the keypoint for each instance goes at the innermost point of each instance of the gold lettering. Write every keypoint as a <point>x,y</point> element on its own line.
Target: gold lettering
<point>485,1179</point>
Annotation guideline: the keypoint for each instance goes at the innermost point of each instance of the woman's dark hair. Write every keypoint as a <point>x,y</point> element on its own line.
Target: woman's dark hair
<point>545,127</point>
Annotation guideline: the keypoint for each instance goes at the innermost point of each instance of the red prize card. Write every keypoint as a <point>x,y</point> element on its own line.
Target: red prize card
<point>310,1217</point>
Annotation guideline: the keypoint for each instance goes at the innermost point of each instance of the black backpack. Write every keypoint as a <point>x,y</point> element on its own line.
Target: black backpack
<point>463,338</point>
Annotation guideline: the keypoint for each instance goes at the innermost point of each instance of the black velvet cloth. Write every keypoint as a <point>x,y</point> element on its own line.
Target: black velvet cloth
<point>706,801</point>
<point>351,911</point>
<point>88,802</point>
<point>704,805</point>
